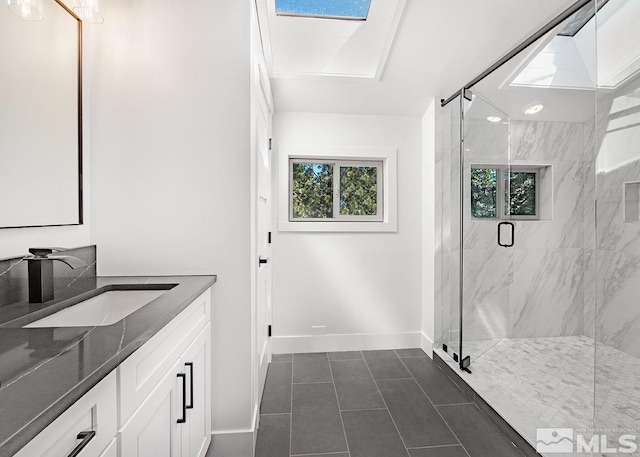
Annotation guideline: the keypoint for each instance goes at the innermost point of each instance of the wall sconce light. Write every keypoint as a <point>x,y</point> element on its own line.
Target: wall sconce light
<point>31,10</point>
<point>88,11</point>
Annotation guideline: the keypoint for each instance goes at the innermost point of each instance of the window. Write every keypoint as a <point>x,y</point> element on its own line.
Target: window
<point>484,196</point>
<point>521,197</point>
<point>335,190</point>
<point>580,19</point>
<point>631,201</point>
<point>505,193</point>
<point>330,9</point>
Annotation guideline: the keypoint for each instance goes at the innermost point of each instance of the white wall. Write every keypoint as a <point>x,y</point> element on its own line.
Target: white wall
<point>170,183</point>
<point>16,242</point>
<point>354,283</point>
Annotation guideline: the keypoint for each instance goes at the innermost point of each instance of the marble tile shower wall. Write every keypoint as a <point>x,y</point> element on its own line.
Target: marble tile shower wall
<point>617,316</point>
<point>67,282</point>
<point>589,229</point>
<point>535,289</point>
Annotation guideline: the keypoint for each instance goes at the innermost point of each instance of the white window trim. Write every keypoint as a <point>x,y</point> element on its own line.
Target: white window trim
<point>337,165</point>
<point>388,157</point>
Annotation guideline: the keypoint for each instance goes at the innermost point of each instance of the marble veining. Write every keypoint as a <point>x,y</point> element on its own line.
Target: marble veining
<point>61,364</point>
<point>553,324</point>
<point>617,258</point>
<point>549,382</point>
<point>536,288</point>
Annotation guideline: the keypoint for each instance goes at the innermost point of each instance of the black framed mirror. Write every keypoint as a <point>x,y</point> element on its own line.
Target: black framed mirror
<point>41,118</point>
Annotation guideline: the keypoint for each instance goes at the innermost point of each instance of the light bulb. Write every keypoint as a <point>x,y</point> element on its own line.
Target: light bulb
<point>533,109</point>
<point>31,10</point>
<point>88,11</point>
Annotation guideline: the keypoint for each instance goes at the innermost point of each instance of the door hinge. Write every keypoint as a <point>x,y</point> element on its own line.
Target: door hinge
<point>270,143</point>
<point>466,362</point>
<point>269,331</point>
<point>269,238</point>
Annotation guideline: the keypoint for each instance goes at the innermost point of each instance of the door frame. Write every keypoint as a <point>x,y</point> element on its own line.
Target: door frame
<point>260,94</point>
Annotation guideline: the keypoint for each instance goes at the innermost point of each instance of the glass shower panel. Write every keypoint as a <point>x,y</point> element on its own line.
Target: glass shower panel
<point>448,227</point>
<point>617,314</point>
<point>529,300</point>
<point>486,226</point>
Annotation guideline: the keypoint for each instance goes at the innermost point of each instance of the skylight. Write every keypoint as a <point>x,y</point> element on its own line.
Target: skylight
<point>580,18</point>
<point>357,10</point>
<point>561,64</point>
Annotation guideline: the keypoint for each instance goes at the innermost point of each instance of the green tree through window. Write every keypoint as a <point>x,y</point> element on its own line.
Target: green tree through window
<point>517,193</point>
<point>312,190</point>
<point>346,190</point>
<point>484,192</point>
<point>359,191</point>
<point>522,193</point>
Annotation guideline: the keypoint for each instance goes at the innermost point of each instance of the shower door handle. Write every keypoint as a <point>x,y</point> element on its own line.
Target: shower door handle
<point>513,238</point>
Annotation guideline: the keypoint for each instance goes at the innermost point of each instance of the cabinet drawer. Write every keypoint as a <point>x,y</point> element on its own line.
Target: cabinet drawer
<point>143,370</point>
<point>95,411</point>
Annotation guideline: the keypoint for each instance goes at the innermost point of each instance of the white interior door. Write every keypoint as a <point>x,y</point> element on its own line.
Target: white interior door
<point>263,263</point>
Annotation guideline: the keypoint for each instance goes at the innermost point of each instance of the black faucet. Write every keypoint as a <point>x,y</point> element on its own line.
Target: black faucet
<point>40,266</point>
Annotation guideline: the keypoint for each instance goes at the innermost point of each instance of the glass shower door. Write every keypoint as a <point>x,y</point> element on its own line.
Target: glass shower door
<point>487,231</point>
<point>447,208</point>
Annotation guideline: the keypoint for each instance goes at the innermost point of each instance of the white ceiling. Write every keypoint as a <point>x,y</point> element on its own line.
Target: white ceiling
<point>440,45</point>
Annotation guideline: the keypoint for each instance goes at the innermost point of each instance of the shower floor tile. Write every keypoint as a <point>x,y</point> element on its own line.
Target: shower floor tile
<point>549,382</point>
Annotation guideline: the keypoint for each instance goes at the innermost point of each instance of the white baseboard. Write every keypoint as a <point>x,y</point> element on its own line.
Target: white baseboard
<point>345,342</point>
<point>426,344</point>
<point>231,432</point>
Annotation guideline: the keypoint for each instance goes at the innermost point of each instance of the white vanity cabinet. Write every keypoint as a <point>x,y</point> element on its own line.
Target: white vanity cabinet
<point>174,420</point>
<point>156,403</point>
<point>95,412</point>
<point>165,389</point>
<point>196,363</point>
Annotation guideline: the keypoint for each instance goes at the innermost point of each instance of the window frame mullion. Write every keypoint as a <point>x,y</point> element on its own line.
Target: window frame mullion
<point>336,190</point>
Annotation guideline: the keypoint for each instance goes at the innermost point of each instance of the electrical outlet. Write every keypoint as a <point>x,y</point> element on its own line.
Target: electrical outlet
<point>319,330</point>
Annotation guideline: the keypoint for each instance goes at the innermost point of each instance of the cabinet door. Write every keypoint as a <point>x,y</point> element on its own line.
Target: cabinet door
<point>111,450</point>
<point>153,429</point>
<point>196,364</point>
<point>141,372</point>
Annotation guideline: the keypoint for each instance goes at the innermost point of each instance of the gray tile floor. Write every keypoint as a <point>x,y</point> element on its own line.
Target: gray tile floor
<point>371,404</point>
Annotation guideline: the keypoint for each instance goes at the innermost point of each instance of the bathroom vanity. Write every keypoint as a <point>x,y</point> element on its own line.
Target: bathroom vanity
<point>137,387</point>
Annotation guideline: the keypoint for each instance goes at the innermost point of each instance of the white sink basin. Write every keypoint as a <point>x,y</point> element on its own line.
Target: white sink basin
<point>104,309</point>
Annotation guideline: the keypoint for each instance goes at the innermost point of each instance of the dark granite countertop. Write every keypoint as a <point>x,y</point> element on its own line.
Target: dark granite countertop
<point>43,371</point>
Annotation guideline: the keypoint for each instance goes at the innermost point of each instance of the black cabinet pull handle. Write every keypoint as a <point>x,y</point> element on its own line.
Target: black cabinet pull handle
<point>183,419</point>
<point>190,365</point>
<point>262,260</point>
<point>513,236</point>
<point>85,437</point>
